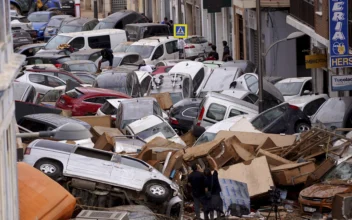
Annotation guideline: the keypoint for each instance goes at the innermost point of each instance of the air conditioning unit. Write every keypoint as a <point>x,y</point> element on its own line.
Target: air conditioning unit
<point>102,215</point>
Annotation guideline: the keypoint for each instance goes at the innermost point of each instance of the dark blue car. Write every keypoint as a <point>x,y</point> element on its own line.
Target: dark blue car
<point>39,21</point>
<point>23,6</point>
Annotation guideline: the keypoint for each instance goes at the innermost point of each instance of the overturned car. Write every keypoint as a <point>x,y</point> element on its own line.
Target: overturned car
<point>104,179</point>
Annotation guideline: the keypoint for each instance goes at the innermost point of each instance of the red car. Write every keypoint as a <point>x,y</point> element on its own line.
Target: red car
<point>162,69</point>
<point>86,100</point>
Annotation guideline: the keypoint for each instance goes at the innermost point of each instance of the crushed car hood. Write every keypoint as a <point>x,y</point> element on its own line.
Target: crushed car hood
<point>325,190</point>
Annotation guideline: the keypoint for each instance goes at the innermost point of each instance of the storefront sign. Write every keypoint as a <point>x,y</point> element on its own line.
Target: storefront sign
<point>339,55</point>
<point>316,61</point>
<point>341,83</point>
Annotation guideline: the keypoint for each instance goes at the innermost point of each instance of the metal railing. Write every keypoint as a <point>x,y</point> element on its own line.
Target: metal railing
<point>303,10</point>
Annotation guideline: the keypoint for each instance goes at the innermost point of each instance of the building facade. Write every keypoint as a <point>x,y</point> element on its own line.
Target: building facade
<point>312,18</point>
<point>10,64</point>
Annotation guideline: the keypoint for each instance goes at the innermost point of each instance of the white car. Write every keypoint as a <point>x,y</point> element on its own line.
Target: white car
<point>152,126</point>
<point>223,125</point>
<point>109,108</point>
<point>41,82</point>
<point>309,104</point>
<point>295,87</point>
<point>156,49</point>
<point>196,46</point>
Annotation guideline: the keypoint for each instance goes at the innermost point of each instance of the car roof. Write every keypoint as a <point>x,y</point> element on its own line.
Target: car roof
<point>296,79</point>
<point>79,21</point>
<point>115,102</point>
<point>86,52</point>
<point>150,120</point>
<point>226,124</point>
<point>55,119</point>
<point>42,12</point>
<point>190,67</point>
<point>129,101</point>
<point>153,41</point>
<point>123,54</point>
<point>70,62</point>
<point>118,15</point>
<point>31,45</point>
<point>232,100</point>
<point>61,16</point>
<point>302,100</point>
<point>39,70</point>
<point>88,90</point>
<point>93,32</point>
<point>237,93</point>
<point>188,101</point>
<point>48,55</point>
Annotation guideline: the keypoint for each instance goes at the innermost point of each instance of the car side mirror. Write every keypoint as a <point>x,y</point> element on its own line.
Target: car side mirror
<point>306,92</point>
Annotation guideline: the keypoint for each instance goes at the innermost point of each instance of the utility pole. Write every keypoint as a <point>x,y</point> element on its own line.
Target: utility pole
<point>260,57</point>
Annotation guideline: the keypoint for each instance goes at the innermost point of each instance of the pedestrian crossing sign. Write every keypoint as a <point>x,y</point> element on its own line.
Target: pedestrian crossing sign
<point>180,31</point>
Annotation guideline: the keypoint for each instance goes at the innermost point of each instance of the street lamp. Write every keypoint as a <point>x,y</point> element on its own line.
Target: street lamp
<point>291,36</point>
<point>69,131</point>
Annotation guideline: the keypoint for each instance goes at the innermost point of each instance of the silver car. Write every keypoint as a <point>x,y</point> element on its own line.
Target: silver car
<point>59,160</point>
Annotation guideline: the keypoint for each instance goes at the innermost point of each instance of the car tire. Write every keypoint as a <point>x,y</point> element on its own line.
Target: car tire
<point>157,192</point>
<point>51,168</point>
<point>302,127</point>
<point>16,8</point>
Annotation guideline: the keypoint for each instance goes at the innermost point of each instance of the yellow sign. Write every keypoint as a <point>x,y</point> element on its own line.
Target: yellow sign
<point>316,61</point>
<point>180,31</point>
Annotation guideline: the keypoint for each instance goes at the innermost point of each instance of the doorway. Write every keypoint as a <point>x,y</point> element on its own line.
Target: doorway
<point>302,46</point>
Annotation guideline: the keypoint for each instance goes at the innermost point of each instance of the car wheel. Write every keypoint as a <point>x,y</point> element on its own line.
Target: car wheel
<point>51,168</point>
<point>16,8</point>
<point>157,192</point>
<point>302,127</point>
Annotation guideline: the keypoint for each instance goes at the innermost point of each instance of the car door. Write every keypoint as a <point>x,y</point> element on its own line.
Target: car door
<point>215,113</point>
<point>171,50</point>
<point>129,173</point>
<point>272,121</point>
<point>89,164</point>
<point>158,54</point>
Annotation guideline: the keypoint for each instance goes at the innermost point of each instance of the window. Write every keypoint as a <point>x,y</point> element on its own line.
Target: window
<point>134,58</point>
<point>252,83</point>
<point>134,163</point>
<point>235,112</point>
<point>77,43</point>
<point>99,42</point>
<point>186,90</point>
<point>171,47</point>
<point>63,60</point>
<point>74,93</point>
<point>86,79</point>
<point>53,82</point>
<point>251,98</point>
<point>198,79</point>
<point>108,109</point>
<point>320,6</point>
<point>65,77</point>
<point>190,112</point>
<point>34,61</point>
<point>216,112</point>
<point>93,153</point>
<point>97,100</point>
<point>158,52</point>
<point>33,126</point>
<point>311,108</point>
<point>202,40</point>
<point>94,56</point>
<point>268,117</point>
<point>129,19</point>
<point>36,78</point>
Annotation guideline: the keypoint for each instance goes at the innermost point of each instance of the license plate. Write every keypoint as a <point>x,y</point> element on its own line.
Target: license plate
<point>309,209</point>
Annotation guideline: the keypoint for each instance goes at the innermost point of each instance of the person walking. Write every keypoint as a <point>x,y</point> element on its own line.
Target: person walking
<point>107,55</point>
<point>215,203</point>
<point>181,46</point>
<point>197,181</point>
<point>226,50</point>
<point>213,55</point>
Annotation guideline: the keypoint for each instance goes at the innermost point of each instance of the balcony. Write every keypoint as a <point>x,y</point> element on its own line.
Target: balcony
<point>303,10</point>
<point>264,3</point>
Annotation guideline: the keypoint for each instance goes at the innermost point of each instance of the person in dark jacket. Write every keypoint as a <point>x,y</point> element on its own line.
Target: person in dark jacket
<point>213,55</point>
<point>197,181</point>
<point>226,50</point>
<point>107,55</point>
<point>215,203</point>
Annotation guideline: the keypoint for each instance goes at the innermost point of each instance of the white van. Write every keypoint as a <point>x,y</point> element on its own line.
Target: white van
<point>107,38</point>
<point>156,49</point>
<point>216,107</point>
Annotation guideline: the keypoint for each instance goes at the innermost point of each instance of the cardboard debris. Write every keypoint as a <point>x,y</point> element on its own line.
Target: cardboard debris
<point>220,155</point>
<point>97,131</point>
<point>105,142</point>
<point>320,171</point>
<point>244,125</point>
<point>164,100</point>
<point>272,158</point>
<point>103,121</point>
<point>257,139</point>
<point>342,206</point>
<point>255,173</point>
<point>292,174</point>
<point>243,152</point>
<point>201,150</point>
<point>162,143</point>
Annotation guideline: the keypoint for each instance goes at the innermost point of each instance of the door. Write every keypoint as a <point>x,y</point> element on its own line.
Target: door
<point>171,50</point>
<point>88,163</point>
<point>130,173</point>
<point>158,54</point>
<point>272,121</point>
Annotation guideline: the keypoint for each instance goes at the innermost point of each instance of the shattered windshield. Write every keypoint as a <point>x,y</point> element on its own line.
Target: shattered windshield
<point>160,129</point>
<point>342,172</point>
<point>289,89</point>
<point>206,137</point>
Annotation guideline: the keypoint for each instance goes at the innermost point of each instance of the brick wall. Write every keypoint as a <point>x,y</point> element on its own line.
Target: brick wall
<point>322,21</point>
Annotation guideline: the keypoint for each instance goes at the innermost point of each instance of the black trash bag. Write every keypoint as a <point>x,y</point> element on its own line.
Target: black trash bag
<point>238,210</point>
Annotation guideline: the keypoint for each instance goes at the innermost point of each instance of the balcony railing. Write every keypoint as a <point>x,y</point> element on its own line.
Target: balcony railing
<point>303,10</point>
